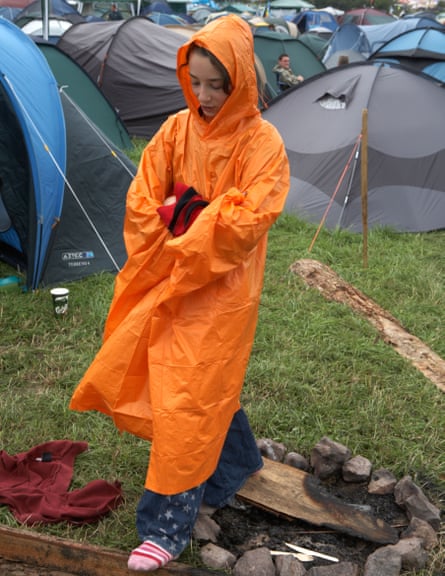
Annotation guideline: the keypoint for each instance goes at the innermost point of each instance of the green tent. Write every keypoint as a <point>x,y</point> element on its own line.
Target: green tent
<point>269,45</point>
<point>79,87</point>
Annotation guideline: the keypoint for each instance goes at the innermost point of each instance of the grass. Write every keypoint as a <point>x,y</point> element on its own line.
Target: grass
<point>317,369</point>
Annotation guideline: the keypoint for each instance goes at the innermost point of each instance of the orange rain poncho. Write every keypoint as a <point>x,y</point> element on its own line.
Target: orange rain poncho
<point>182,321</point>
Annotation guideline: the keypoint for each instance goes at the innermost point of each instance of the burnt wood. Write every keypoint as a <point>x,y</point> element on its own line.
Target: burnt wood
<point>293,493</point>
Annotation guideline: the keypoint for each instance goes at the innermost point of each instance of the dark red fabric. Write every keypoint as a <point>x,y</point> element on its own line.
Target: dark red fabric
<point>35,485</point>
<point>189,211</point>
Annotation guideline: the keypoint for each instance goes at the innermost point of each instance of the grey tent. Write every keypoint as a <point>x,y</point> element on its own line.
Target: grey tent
<point>321,123</point>
<point>76,83</point>
<point>134,63</point>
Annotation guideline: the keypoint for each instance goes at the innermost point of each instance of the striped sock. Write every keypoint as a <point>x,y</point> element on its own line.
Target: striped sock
<point>148,556</point>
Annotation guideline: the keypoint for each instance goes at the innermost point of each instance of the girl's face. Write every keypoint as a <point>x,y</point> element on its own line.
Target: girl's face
<point>207,84</point>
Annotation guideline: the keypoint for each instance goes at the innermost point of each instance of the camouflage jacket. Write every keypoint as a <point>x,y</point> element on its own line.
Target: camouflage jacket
<point>286,75</point>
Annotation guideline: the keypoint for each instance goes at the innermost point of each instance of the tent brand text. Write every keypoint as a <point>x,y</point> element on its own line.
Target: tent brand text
<point>77,255</point>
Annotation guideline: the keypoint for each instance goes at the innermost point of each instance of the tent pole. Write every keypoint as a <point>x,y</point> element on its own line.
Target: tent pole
<point>348,191</point>
<point>364,185</point>
<point>45,19</point>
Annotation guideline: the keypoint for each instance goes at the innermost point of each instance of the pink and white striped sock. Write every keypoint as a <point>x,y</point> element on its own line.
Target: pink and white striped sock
<point>148,556</point>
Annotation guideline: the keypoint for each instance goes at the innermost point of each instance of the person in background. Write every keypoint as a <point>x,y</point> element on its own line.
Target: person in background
<point>182,321</point>
<point>114,13</point>
<point>285,77</point>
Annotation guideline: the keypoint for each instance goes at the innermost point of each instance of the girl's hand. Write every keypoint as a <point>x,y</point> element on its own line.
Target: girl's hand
<point>169,200</point>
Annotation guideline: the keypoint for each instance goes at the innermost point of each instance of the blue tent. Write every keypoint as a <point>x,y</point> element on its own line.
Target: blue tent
<point>422,49</point>
<point>63,183</point>
<point>9,13</point>
<point>367,39</point>
<point>381,33</point>
<point>309,19</point>
<point>32,152</point>
<point>347,37</point>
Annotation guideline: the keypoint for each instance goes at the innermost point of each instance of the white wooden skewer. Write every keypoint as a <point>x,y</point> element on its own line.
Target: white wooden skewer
<point>312,552</point>
<point>297,555</point>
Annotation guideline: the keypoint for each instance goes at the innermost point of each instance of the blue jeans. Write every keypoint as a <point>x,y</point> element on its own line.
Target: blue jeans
<point>168,520</point>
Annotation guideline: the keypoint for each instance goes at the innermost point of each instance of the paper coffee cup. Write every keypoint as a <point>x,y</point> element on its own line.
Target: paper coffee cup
<point>60,301</point>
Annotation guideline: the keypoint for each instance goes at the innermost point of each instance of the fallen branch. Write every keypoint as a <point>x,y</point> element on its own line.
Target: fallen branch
<point>320,276</point>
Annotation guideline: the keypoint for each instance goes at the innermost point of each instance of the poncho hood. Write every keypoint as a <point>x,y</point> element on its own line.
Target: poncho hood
<point>230,39</point>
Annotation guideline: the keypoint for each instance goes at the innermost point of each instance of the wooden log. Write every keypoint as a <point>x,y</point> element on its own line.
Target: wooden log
<point>320,276</point>
<point>293,493</point>
<point>73,557</point>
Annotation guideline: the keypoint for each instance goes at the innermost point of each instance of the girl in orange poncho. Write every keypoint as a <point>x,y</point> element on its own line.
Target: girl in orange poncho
<point>182,321</point>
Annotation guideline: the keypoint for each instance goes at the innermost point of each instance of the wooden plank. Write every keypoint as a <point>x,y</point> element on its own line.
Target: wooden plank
<point>320,276</point>
<point>293,493</point>
<point>74,557</point>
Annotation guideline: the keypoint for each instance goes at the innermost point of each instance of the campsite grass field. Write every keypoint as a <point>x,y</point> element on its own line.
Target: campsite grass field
<point>317,369</point>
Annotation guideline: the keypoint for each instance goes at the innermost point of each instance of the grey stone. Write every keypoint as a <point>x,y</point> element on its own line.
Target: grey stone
<point>356,469</point>
<point>296,461</point>
<point>414,556</point>
<point>216,557</point>
<point>382,482</point>
<point>289,566</point>
<point>421,529</point>
<point>385,561</point>
<point>411,498</point>
<point>206,509</point>
<point>256,562</point>
<point>271,449</point>
<point>340,569</point>
<point>206,528</point>
<point>328,457</point>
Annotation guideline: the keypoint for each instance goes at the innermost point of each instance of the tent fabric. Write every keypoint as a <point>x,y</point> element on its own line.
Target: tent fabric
<point>406,159</point>
<point>351,55</point>
<point>368,39</point>
<point>9,13</point>
<point>79,87</point>
<point>134,63</point>
<point>422,49</point>
<point>63,183</point>
<point>347,37</point>
<point>291,5</point>
<point>367,16</point>
<point>316,41</point>
<point>418,43</point>
<point>89,237</point>
<point>56,8</point>
<point>15,3</point>
<point>32,150</point>
<point>314,19</point>
<point>35,486</point>
<point>380,34</point>
<point>269,45</point>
